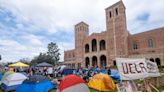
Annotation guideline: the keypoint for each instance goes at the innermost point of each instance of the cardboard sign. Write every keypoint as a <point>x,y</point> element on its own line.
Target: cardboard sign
<point>131,69</point>
<point>127,86</point>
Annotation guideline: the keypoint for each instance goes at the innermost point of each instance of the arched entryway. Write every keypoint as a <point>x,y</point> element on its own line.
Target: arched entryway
<point>94,61</point>
<point>114,62</point>
<point>158,61</point>
<point>94,45</point>
<point>151,59</point>
<point>86,48</point>
<point>102,45</point>
<point>103,62</point>
<point>87,62</point>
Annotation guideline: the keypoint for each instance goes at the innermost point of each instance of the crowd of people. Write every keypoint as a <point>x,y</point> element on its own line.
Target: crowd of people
<point>52,72</point>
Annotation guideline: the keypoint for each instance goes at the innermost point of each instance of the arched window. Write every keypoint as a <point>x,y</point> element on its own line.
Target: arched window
<point>114,62</point>
<point>86,48</point>
<point>94,45</point>
<point>150,43</point>
<point>135,45</point>
<point>116,11</point>
<point>102,45</point>
<point>103,62</point>
<point>87,62</point>
<point>110,14</point>
<point>158,61</point>
<point>94,61</point>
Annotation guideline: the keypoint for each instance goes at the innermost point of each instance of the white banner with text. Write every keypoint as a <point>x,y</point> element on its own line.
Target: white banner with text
<point>131,69</point>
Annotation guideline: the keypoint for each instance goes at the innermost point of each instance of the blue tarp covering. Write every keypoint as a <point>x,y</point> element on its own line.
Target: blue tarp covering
<point>44,86</point>
<point>115,74</point>
<point>6,88</point>
<point>1,75</point>
<point>67,71</point>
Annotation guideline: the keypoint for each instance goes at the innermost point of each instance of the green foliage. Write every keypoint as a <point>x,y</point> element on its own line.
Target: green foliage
<point>160,66</point>
<point>53,51</point>
<point>115,67</point>
<point>43,57</point>
<point>51,56</point>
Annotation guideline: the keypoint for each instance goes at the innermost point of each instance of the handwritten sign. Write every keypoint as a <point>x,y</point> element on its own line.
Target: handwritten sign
<point>131,69</point>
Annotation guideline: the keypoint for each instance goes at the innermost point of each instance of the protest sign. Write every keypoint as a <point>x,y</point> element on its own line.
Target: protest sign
<point>131,69</point>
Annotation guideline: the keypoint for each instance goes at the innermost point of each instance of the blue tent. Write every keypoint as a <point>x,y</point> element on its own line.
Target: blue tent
<point>36,83</point>
<point>1,75</point>
<point>67,71</point>
<point>115,74</point>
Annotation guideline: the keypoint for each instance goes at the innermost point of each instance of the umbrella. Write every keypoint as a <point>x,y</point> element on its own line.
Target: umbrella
<point>44,64</point>
<point>19,64</point>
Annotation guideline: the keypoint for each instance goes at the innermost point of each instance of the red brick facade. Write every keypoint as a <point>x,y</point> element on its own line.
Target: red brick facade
<point>101,49</point>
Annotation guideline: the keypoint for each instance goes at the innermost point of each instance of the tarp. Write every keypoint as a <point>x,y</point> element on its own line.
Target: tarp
<point>101,82</point>
<point>36,83</point>
<point>73,83</point>
<point>19,64</point>
<point>67,71</point>
<point>115,74</point>
<point>43,86</point>
<point>44,64</point>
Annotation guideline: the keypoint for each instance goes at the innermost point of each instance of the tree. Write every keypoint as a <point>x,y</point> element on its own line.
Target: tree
<point>25,60</point>
<point>43,57</point>
<point>53,51</point>
<point>51,56</point>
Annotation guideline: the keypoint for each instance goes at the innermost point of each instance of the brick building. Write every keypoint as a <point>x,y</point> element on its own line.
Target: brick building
<point>101,49</point>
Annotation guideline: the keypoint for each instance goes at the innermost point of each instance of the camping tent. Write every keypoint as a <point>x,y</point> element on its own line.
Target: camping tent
<point>36,83</point>
<point>73,83</point>
<point>44,64</point>
<point>101,82</point>
<point>115,74</point>
<point>61,68</point>
<point>19,64</point>
<point>11,80</point>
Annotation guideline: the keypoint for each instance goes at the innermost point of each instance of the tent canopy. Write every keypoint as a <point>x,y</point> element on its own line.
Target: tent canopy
<point>101,82</point>
<point>36,79</point>
<point>43,86</point>
<point>19,64</point>
<point>44,64</point>
<point>73,83</point>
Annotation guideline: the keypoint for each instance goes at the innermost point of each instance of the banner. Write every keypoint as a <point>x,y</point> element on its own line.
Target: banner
<point>152,69</point>
<point>131,69</point>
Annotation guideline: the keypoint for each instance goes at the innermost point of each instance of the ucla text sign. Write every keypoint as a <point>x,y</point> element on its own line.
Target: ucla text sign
<point>131,69</point>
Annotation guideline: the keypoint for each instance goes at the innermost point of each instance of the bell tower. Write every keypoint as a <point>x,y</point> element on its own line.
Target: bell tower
<point>81,32</point>
<point>117,29</point>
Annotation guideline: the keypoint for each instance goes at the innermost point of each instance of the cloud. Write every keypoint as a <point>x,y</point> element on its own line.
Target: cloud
<point>12,50</point>
<point>27,26</point>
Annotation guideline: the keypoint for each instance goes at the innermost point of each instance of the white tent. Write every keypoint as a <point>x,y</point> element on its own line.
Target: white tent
<point>81,87</point>
<point>61,68</point>
<point>14,79</point>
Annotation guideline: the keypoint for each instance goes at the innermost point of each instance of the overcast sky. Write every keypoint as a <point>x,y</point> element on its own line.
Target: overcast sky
<point>27,26</point>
